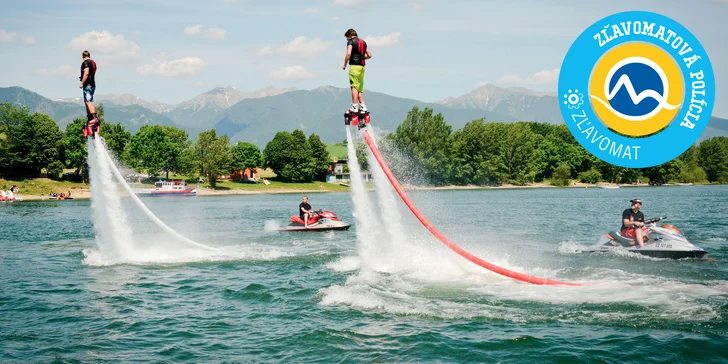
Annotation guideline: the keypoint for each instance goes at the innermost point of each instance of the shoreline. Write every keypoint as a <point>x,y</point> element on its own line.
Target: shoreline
<point>543,185</point>
<point>85,194</point>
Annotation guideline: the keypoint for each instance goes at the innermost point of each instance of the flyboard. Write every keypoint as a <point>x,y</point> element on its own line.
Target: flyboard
<point>361,120</point>
<point>93,130</point>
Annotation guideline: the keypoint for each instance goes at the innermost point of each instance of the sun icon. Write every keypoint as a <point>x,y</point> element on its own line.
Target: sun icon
<point>573,99</point>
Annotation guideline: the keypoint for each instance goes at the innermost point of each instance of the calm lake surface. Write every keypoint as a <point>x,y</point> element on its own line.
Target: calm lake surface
<point>384,291</point>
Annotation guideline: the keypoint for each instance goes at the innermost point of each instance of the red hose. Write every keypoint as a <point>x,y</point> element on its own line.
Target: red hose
<point>462,252</point>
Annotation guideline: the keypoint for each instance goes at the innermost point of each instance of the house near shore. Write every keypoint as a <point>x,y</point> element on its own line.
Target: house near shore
<point>339,168</point>
<point>242,175</point>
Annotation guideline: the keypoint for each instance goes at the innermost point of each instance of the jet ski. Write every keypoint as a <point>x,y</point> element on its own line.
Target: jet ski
<point>664,241</point>
<point>320,221</point>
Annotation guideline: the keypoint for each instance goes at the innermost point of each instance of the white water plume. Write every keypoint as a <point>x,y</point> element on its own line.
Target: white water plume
<point>368,231</point>
<point>389,207</point>
<point>387,200</point>
<point>384,246</point>
<point>114,234</point>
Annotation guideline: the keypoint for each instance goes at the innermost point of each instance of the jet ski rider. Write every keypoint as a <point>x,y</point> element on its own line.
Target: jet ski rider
<point>633,218</point>
<point>304,211</point>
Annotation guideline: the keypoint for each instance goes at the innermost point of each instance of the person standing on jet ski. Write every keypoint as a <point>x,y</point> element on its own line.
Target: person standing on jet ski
<point>633,218</point>
<point>304,211</point>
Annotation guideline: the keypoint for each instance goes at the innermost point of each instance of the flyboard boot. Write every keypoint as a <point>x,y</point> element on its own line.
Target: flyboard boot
<point>363,118</point>
<point>356,117</point>
<point>92,126</point>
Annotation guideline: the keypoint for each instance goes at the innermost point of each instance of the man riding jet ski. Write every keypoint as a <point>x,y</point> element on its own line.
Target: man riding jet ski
<point>314,220</point>
<point>645,237</point>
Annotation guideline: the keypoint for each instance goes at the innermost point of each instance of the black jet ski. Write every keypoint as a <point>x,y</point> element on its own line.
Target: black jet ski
<point>320,221</point>
<point>664,241</point>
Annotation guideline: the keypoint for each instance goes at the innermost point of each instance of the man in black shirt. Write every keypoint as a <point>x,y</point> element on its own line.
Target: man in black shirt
<point>357,53</point>
<point>88,85</point>
<point>304,211</point>
<point>633,218</point>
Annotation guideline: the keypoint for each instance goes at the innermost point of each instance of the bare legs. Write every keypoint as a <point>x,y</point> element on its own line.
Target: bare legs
<point>354,96</point>
<point>90,109</point>
<point>640,239</point>
<point>357,97</point>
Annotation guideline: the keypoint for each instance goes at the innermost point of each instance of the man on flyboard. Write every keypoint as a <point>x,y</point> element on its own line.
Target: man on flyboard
<point>357,52</point>
<point>88,85</point>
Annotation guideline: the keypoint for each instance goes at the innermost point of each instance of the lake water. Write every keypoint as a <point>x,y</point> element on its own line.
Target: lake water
<point>392,293</point>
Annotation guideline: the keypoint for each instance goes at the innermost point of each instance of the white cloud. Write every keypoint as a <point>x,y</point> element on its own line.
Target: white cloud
<point>538,78</point>
<point>137,33</point>
<point>417,6</point>
<point>336,18</point>
<point>349,2</point>
<point>6,36</point>
<point>313,10</point>
<point>109,46</point>
<point>386,40</point>
<point>179,67</point>
<point>192,30</point>
<point>199,84</point>
<point>300,47</point>
<point>199,29</point>
<point>290,73</point>
<point>59,71</point>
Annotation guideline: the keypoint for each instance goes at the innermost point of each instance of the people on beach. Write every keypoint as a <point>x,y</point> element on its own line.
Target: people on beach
<point>357,53</point>
<point>304,211</point>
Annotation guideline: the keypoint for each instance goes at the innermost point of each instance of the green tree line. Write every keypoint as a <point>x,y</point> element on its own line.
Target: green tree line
<point>424,144</point>
<point>523,152</point>
<point>33,143</point>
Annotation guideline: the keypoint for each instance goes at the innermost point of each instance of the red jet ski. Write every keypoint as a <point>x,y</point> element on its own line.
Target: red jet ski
<point>320,221</point>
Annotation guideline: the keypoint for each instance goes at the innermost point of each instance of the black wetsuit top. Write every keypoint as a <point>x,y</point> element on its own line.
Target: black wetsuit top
<point>305,206</point>
<point>630,215</point>
<point>91,65</point>
<point>358,51</point>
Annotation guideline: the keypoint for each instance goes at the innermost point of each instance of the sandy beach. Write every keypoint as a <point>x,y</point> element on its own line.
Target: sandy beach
<point>85,193</point>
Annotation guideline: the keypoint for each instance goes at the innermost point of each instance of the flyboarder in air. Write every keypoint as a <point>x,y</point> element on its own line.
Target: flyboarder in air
<point>88,85</point>
<point>357,53</point>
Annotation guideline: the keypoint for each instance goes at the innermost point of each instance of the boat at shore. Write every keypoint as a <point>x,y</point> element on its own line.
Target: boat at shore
<point>172,189</point>
<point>609,187</point>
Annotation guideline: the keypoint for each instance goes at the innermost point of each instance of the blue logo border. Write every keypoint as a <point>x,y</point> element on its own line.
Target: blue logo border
<point>658,148</point>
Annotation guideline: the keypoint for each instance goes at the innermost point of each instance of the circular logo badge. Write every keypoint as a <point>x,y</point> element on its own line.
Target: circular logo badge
<point>636,89</point>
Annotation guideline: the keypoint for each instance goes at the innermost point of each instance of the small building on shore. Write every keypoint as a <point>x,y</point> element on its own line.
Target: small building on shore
<point>339,172</point>
<point>242,175</point>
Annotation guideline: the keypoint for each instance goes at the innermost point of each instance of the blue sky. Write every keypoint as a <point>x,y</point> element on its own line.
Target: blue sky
<point>171,51</point>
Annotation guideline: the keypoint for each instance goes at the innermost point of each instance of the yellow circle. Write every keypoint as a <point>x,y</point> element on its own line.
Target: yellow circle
<point>674,97</point>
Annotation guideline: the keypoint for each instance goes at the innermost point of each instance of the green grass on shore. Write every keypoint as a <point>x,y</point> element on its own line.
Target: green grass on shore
<point>276,185</point>
<point>36,186</point>
<point>226,185</point>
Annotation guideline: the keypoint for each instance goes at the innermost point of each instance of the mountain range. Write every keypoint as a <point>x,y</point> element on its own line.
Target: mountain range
<point>256,116</point>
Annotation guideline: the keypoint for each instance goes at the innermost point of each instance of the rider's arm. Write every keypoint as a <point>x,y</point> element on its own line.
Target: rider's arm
<point>368,54</point>
<point>348,55</point>
<point>85,75</point>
